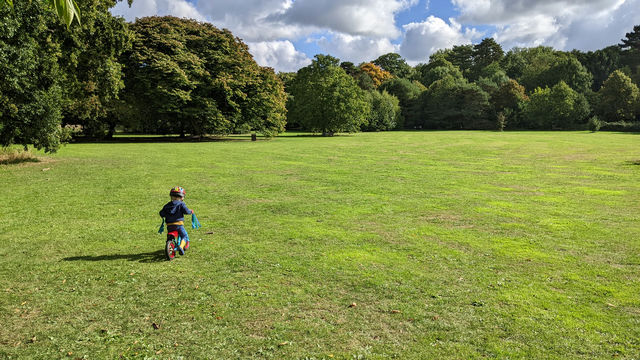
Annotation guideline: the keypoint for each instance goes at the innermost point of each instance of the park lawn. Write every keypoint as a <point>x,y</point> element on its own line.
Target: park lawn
<point>413,245</point>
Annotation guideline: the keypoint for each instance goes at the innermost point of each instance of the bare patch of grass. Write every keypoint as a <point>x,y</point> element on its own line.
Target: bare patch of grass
<point>15,156</point>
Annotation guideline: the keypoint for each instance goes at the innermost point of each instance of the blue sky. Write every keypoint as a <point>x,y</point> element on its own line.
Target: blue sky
<point>286,34</point>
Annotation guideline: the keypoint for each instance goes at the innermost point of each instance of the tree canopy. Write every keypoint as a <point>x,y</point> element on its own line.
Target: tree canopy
<point>325,99</point>
<point>185,76</point>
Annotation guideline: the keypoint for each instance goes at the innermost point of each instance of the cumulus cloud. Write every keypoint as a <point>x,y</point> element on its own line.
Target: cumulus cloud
<point>142,8</point>
<point>374,18</point>
<point>280,55</point>
<point>563,24</point>
<point>356,48</point>
<point>424,38</point>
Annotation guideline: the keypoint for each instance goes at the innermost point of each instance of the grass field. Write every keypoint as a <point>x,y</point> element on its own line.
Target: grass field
<point>451,245</point>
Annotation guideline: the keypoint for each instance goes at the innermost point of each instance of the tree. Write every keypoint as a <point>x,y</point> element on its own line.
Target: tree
<point>67,10</point>
<point>488,51</point>
<point>509,100</point>
<point>31,78</point>
<point>394,64</point>
<point>406,92</point>
<point>632,39</point>
<point>557,108</point>
<point>94,76</point>
<point>184,76</point>
<point>454,103</point>
<point>377,75</point>
<point>600,63</point>
<point>618,98</point>
<point>438,68</point>
<point>385,111</point>
<point>325,99</point>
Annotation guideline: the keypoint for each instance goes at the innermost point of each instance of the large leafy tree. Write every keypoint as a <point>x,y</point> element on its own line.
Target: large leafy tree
<point>454,103</point>
<point>407,92</point>
<point>394,64</point>
<point>325,99</point>
<point>559,107</point>
<point>600,63</point>
<point>31,79</point>
<point>385,111</point>
<point>94,76</point>
<point>487,52</point>
<point>184,76</point>
<point>618,98</point>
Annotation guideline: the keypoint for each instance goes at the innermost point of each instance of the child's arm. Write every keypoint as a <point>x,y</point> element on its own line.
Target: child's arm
<point>186,210</point>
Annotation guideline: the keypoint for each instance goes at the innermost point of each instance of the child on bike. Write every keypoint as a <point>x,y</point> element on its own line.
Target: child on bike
<point>174,212</point>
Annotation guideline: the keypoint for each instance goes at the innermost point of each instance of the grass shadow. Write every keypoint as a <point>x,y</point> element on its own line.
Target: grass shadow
<point>159,139</point>
<point>148,257</point>
<point>636,162</point>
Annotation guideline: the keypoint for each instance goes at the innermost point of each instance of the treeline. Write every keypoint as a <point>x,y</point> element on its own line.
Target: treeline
<point>164,75</point>
<point>472,87</point>
<point>159,75</point>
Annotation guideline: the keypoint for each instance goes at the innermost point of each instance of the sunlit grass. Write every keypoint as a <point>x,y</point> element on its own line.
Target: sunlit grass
<point>416,245</point>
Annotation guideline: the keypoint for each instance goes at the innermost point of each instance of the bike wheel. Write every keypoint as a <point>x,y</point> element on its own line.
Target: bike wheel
<point>170,250</point>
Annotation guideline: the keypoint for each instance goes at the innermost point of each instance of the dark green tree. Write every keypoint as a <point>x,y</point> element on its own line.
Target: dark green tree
<point>632,39</point>
<point>618,98</point>
<point>394,64</point>
<point>184,76</point>
<point>488,51</point>
<point>385,111</point>
<point>600,63</point>
<point>325,99</point>
<point>31,78</point>
<point>454,103</point>
<point>407,92</point>
<point>559,107</point>
<point>438,68</point>
<point>94,76</point>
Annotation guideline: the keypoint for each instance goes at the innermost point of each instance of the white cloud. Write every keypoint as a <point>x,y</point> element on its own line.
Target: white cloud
<point>357,48</point>
<point>423,39</point>
<point>280,55</point>
<point>375,18</point>
<point>562,24</point>
<point>142,8</point>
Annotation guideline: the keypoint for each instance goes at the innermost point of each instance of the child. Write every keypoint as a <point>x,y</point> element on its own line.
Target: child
<point>174,212</point>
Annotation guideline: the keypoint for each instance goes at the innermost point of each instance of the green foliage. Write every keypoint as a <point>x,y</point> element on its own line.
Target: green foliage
<point>407,92</point>
<point>394,64</point>
<point>385,112</point>
<point>438,68</point>
<point>184,76</point>
<point>509,100</point>
<point>94,72</point>
<point>546,67</point>
<point>618,98</point>
<point>594,124</point>
<point>600,63</point>
<point>453,103</point>
<point>632,39</point>
<point>31,78</point>
<point>487,52</point>
<point>325,99</point>
<point>557,108</point>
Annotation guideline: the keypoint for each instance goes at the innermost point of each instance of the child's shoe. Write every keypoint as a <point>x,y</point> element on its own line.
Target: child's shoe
<point>181,247</point>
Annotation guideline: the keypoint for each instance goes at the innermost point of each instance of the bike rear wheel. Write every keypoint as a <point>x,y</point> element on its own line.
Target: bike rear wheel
<point>170,250</point>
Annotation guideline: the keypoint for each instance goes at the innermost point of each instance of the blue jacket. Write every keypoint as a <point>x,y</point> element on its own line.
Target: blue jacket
<point>174,211</point>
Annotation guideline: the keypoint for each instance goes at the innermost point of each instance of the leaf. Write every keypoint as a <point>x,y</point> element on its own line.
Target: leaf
<point>67,10</point>
<point>7,2</point>
<point>155,326</point>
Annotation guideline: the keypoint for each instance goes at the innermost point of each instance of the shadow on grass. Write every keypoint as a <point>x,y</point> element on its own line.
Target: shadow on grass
<point>149,257</point>
<point>12,161</point>
<point>637,162</point>
<point>159,139</point>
